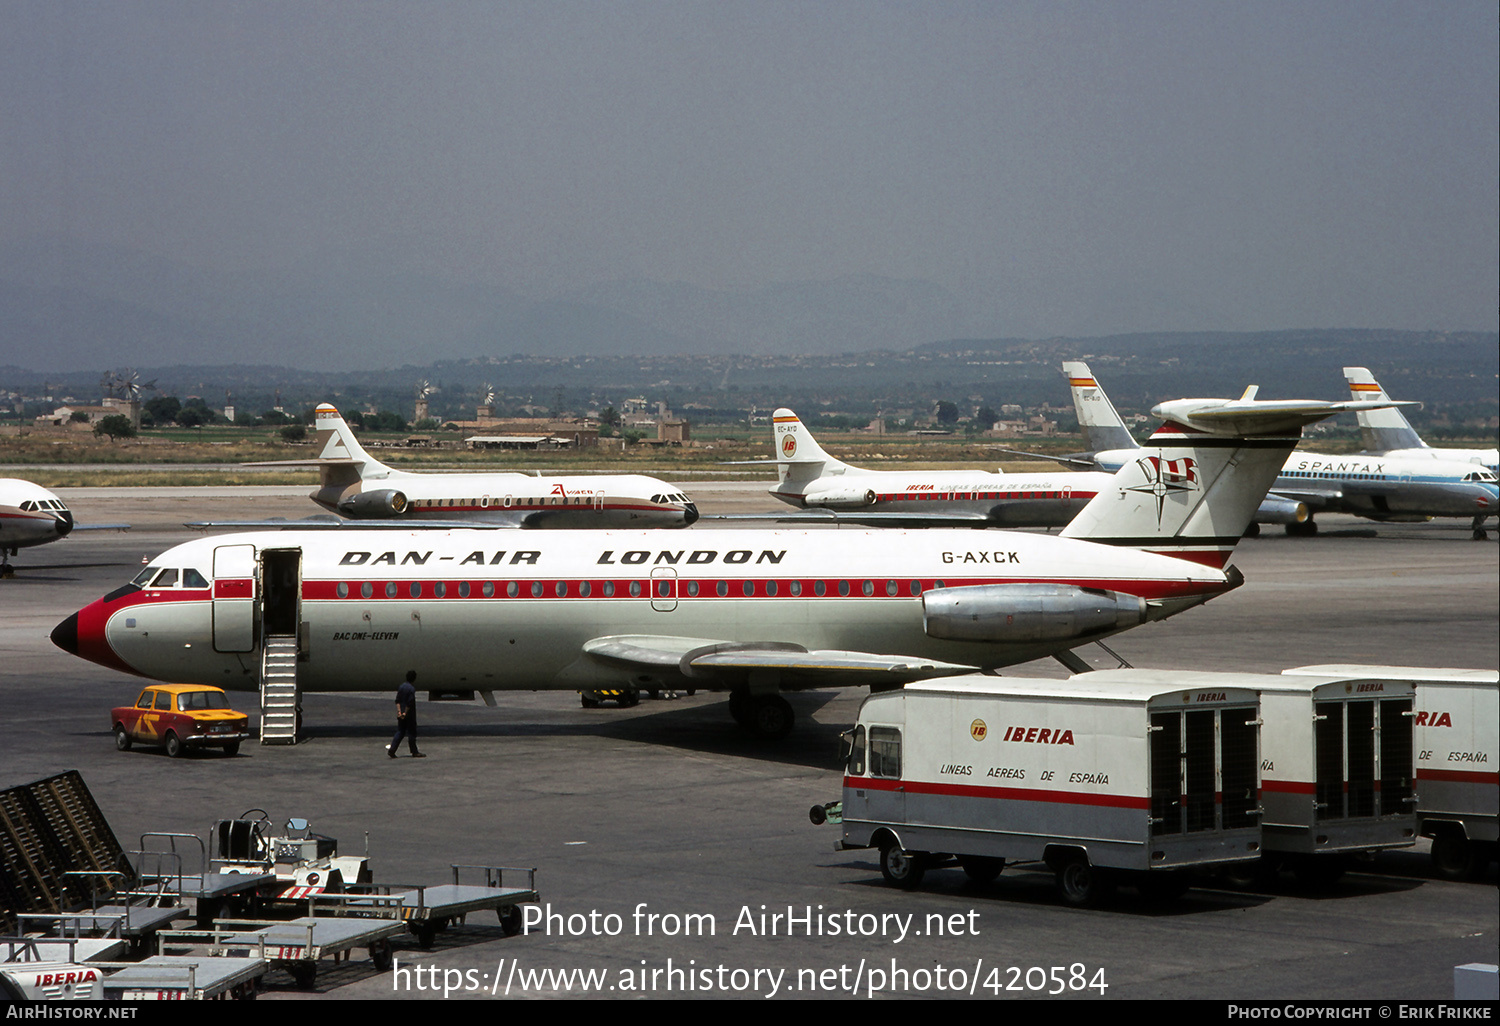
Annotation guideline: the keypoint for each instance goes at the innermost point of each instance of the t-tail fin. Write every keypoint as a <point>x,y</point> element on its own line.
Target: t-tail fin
<point>1195,485</point>
<point>798,455</point>
<point>1380,430</point>
<point>341,459</point>
<point>1102,427</point>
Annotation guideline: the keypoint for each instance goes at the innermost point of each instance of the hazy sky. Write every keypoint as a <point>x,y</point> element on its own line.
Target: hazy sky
<point>1076,168</point>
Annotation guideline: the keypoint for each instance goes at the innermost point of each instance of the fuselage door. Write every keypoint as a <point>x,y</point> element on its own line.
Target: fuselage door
<point>234,598</point>
<point>663,589</point>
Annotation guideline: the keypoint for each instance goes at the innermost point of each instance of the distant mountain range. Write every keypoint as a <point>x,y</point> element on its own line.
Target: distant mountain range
<point>64,305</point>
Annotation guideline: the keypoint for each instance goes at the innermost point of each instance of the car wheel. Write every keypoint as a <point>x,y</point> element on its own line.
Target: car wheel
<point>233,748</point>
<point>174,745</point>
<point>122,738</point>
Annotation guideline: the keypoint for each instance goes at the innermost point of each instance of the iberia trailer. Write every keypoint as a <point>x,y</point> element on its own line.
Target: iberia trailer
<point>1456,722</point>
<point>1134,780</point>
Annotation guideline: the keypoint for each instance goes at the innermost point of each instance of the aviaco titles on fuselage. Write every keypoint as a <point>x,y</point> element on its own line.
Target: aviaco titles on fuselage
<point>354,484</point>
<point>750,612</point>
<point>808,477</point>
<point>1390,487</point>
<point>31,515</point>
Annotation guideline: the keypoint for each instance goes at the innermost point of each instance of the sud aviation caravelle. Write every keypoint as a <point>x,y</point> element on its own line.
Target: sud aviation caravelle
<point>31,515</point>
<point>356,485</point>
<point>752,612</point>
<point>808,477</point>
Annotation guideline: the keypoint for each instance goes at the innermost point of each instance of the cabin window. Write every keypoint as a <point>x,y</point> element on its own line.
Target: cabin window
<point>820,589</point>
<point>585,589</point>
<point>722,588</point>
<point>635,589</point>
<point>366,590</point>
<point>844,588</point>
<point>536,589</point>
<point>439,589</point>
<point>163,701</point>
<point>609,589</point>
<point>512,589</point>
<point>885,752</point>
<point>342,590</point>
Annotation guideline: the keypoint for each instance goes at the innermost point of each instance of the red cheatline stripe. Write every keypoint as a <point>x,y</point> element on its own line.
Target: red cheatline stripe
<point>1459,776</point>
<point>1117,801</point>
<point>1288,787</point>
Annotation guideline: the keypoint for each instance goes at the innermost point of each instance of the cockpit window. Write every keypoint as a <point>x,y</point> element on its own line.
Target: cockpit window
<point>166,579</point>
<point>193,579</point>
<point>145,575</point>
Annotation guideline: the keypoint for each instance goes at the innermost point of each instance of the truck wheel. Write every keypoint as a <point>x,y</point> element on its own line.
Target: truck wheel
<point>902,868</point>
<point>510,920</point>
<point>122,738</point>
<point>174,745</point>
<point>980,869</point>
<point>1455,858</point>
<point>1080,884</point>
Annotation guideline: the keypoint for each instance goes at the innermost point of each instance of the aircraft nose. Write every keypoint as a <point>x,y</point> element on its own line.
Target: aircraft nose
<point>64,524</point>
<point>65,635</point>
<point>690,514</point>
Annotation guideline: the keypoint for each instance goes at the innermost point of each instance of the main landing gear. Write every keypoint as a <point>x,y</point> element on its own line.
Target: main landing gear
<point>768,716</point>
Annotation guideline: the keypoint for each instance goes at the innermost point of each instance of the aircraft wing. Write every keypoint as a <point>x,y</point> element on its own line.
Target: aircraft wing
<point>1315,498</point>
<point>332,461</point>
<point>1075,460</point>
<point>100,527</point>
<point>329,522</point>
<point>706,663</point>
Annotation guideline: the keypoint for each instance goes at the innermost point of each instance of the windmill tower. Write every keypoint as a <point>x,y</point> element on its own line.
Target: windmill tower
<point>486,410</point>
<point>130,388</point>
<point>424,389</point>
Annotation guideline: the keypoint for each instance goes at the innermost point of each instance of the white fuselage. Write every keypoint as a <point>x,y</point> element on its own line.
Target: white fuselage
<point>605,500</point>
<point>483,609</point>
<point>1012,500</point>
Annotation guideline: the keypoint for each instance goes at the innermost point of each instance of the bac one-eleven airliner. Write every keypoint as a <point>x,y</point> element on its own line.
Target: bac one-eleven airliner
<point>751,612</point>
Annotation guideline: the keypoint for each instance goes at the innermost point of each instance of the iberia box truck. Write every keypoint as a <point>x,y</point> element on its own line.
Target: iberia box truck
<point>1455,725</point>
<point>1104,781</point>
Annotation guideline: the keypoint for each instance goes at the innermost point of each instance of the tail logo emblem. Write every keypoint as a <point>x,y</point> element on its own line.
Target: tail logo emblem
<point>1166,477</point>
<point>789,445</point>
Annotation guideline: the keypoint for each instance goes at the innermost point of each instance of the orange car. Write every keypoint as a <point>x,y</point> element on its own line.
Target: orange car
<point>179,717</point>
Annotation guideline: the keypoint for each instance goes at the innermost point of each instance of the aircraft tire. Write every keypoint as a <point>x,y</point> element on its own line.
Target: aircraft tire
<point>770,716</point>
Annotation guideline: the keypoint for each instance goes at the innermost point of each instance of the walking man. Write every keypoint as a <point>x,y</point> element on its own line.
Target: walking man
<point>406,717</point>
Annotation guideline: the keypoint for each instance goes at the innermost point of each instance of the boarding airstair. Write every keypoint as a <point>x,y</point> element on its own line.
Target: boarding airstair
<point>278,690</point>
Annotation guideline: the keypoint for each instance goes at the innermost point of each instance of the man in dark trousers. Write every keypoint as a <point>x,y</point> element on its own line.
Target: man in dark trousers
<point>406,716</point>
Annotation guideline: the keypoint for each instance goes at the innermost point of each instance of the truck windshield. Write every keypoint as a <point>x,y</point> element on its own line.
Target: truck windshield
<point>854,751</point>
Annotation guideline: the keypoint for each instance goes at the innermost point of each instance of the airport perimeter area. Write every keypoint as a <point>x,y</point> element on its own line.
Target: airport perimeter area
<point>673,851</point>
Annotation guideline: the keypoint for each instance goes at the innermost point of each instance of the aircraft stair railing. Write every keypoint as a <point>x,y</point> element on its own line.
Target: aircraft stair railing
<point>279,696</point>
